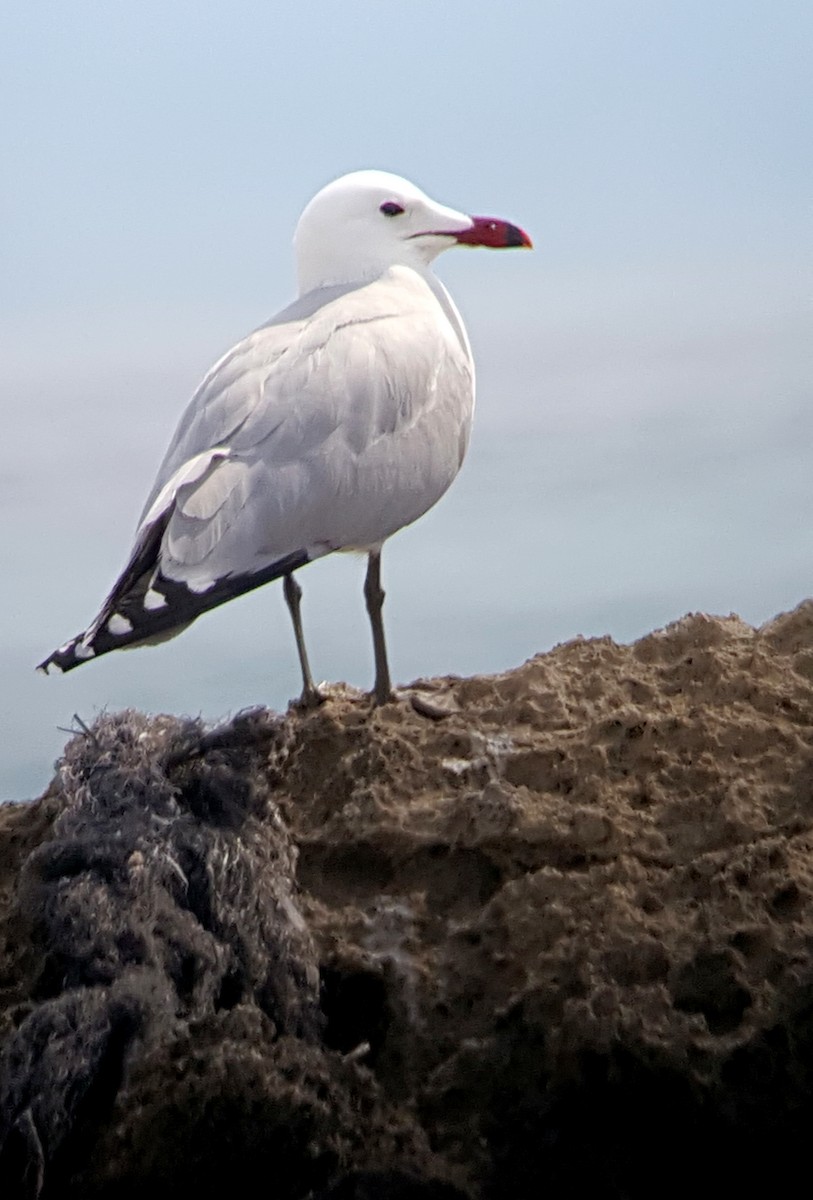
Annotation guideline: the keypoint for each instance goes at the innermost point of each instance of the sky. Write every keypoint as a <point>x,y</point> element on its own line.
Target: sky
<point>642,442</point>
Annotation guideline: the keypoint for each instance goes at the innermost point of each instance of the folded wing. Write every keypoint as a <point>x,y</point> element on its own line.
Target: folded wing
<point>339,422</point>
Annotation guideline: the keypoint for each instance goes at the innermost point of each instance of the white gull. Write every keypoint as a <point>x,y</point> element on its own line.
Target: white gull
<point>331,427</point>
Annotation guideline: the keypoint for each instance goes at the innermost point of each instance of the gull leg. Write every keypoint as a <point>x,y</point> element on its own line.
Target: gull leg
<point>293,597</point>
<point>374,596</point>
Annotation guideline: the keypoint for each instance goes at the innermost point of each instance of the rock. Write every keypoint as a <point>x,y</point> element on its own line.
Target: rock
<point>554,940</point>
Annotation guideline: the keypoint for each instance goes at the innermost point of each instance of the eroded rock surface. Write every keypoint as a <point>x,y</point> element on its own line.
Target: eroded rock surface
<point>542,933</point>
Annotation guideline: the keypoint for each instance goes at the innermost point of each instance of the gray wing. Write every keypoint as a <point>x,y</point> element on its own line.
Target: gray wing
<point>234,386</point>
<point>339,422</point>
<point>316,433</point>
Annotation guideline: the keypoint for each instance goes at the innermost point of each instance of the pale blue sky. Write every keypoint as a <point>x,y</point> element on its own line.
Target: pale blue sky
<point>643,436</point>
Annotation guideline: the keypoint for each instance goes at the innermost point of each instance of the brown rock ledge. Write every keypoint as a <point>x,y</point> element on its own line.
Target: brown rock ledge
<point>538,934</point>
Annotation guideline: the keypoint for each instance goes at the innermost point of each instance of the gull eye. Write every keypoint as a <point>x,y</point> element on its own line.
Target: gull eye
<point>390,209</point>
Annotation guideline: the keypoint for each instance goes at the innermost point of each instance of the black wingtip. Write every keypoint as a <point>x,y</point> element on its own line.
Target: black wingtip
<point>158,609</point>
<point>72,654</point>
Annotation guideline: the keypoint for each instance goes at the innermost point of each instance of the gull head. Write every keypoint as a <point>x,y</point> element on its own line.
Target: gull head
<point>363,223</point>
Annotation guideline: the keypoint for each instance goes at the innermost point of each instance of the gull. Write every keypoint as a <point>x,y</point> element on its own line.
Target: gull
<point>338,422</point>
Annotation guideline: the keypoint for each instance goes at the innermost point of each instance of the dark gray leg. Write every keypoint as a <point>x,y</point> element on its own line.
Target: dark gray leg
<point>293,597</point>
<point>374,595</point>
